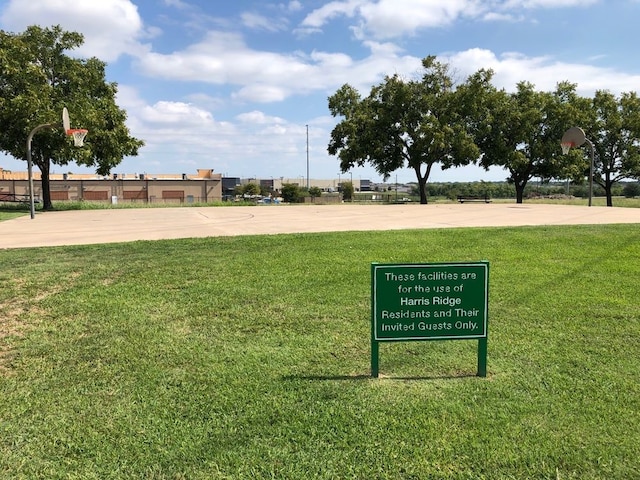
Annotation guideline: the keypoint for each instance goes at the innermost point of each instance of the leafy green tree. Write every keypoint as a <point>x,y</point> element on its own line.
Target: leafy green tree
<point>631,190</point>
<point>414,123</point>
<point>521,131</point>
<point>315,192</point>
<point>347,190</point>
<point>38,79</point>
<point>615,135</point>
<point>290,192</point>
<point>251,189</point>
<point>265,191</point>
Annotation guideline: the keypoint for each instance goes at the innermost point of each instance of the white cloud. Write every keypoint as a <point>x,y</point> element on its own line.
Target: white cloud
<point>294,6</point>
<point>519,4</point>
<point>110,27</point>
<point>128,97</point>
<point>206,101</point>
<point>177,4</point>
<point>389,18</point>
<point>183,132</point>
<point>187,137</point>
<point>224,58</point>
<point>322,15</point>
<point>179,114</point>
<point>259,118</point>
<point>384,19</point>
<point>332,60</point>
<point>502,17</point>
<point>256,21</point>
<point>543,71</point>
<point>261,93</point>
<point>220,58</point>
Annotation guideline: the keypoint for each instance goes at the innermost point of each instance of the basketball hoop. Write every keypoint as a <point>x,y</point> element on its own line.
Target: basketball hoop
<point>78,135</point>
<point>574,137</point>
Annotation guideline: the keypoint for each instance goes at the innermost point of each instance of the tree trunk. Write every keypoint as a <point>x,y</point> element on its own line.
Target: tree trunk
<point>422,184</point>
<point>609,197</point>
<point>608,188</point>
<point>520,182</point>
<point>44,167</point>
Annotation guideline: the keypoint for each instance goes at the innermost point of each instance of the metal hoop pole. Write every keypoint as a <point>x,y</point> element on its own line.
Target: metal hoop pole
<point>30,164</point>
<point>590,169</point>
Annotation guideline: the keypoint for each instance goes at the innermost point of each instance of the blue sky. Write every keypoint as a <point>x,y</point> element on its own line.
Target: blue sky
<point>232,86</point>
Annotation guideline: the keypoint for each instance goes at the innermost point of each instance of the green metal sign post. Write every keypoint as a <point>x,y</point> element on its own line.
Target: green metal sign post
<point>432,301</point>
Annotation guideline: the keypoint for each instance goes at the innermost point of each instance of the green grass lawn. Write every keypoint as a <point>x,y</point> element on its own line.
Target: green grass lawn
<point>248,357</point>
<point>596,201</point>
<point>8,211</point>
<point>9,214</point>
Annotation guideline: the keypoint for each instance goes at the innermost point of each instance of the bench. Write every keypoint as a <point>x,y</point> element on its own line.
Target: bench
<point>16,198</point>
<point>473,198</point>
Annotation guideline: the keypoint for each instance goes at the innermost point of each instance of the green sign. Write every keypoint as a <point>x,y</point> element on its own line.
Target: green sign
<point>435,301</point>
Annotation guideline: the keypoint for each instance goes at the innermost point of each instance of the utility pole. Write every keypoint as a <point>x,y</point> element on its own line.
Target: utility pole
<point>307,156</point>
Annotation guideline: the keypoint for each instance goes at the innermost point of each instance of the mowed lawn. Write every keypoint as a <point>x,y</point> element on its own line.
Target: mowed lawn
<point>249,357</point>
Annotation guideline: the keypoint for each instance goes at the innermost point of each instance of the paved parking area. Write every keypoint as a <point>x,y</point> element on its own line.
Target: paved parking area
<point>125,225</point>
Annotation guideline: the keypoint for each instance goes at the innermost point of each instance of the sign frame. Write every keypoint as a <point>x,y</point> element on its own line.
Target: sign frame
<point>430,301</point>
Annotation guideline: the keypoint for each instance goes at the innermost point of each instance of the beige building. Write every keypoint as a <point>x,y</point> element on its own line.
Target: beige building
<point>205,186</point>
<point>326,185</point>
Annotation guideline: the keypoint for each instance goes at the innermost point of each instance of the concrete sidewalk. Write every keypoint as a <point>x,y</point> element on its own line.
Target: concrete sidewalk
<point>125,225</point>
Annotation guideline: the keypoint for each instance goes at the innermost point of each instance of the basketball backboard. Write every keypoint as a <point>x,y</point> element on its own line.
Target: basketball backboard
<point>574,136</point>
<point>66,124</point>
<point>78,134</point>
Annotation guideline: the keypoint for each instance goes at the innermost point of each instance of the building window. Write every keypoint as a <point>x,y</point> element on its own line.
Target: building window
<point>59,194</point>
<point>134,194</point>
<point>173,195</point>
<point>96,195</point>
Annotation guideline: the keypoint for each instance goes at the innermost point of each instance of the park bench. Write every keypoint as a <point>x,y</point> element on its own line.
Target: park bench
<point>16,198</point>
<point>473,198</point>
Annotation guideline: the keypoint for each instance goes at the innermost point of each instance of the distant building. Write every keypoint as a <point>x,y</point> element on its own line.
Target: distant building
<point>205,186</point>
<point>229,185</point>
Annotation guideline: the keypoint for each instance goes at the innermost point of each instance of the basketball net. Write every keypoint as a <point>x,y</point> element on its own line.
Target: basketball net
<point>566,147</point>
<point>78,136</point>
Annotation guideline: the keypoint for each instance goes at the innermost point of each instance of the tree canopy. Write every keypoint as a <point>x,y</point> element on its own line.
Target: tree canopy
<point>37,79</point>
<point>521,131</point>
<point>614,131</point>
<point>419,123</point>
<point>412,123</point>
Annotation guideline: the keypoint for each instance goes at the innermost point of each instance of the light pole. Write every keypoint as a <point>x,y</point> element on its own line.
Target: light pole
<point>30,163</point>
<point>575,137</point>
<point>396,188</point>
<point>353,188</point>
<point>307,157</point>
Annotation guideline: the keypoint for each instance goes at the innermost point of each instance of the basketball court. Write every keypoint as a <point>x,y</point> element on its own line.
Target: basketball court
<point>126,225</point>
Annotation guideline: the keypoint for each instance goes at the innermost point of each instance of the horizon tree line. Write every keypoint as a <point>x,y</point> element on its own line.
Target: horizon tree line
<point>417,123</point>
